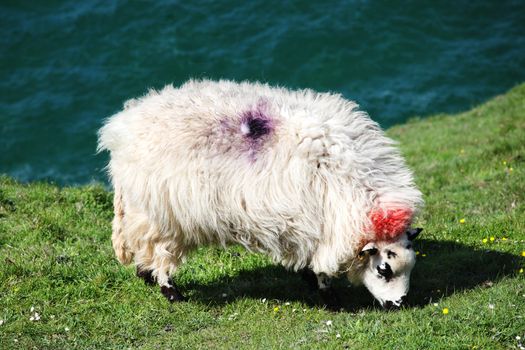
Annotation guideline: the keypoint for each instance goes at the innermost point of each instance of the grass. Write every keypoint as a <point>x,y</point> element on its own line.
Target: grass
<point>56,256</point>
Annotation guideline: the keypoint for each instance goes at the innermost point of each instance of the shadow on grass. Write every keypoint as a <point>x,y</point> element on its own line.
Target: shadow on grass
<point>446,269</point>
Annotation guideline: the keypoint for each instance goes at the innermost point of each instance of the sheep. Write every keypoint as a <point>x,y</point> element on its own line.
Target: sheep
<point>304,177</point>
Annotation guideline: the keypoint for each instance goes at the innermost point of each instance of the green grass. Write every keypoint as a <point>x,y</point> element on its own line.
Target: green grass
<point>56,256</point>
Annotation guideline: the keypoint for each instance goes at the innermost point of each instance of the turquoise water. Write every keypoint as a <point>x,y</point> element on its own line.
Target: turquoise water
<point>67,65</point>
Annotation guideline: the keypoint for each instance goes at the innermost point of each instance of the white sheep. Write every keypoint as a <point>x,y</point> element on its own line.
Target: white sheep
<point>299,175</point>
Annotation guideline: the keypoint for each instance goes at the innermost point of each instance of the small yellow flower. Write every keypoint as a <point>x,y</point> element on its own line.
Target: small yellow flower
<point>504,239</point>
<point>521,270</point>
<point>485,240</point>
<point>510,169</point>
<point>523,253</point>
<point>504,162</point>
<point>492,239</point>
<point>276,309</point>
<point>423,255</point>
<point>462,151</point>
<point>417,253</point>
<point>445,311</point>
<point>462,221</point>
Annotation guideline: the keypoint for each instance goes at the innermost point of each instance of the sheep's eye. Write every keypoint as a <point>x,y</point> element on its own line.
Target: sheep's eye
<point>390,254</point>
<point>409,246</point>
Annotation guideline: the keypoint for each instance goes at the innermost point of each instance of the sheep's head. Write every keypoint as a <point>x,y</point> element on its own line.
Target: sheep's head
<point>387,266</point>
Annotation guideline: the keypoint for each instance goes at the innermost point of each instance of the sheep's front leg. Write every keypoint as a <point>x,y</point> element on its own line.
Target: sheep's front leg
<point>327,293</point>
<point>323,284</point>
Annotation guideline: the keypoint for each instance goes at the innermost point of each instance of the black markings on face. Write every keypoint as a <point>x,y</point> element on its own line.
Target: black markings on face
<point>371,251</point>
<point>385,271</point>
<point>409,246</point>
<point>390,254</point>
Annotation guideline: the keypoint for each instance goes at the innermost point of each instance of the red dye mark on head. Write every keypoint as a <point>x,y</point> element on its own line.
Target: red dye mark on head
<point>389,224</point>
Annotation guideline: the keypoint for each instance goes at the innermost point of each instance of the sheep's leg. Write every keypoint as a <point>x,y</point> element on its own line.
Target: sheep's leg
<point>322,283</point>
<point>327,293</point>
<point>118,237</point>
<point>171,292</point>
<point>157,259</point>
<point>147,276</point>
<point>310,278</point>
<point>165,259</point>
<point>168,288</point>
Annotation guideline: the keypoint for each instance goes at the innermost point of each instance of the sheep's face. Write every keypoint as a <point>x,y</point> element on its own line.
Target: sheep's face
<point>387,268</point>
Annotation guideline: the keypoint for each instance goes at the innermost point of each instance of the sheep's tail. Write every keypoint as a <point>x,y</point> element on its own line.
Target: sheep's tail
<point>118,237</point>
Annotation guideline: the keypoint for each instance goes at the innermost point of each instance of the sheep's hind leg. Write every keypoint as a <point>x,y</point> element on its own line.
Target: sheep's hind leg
<point>157,257</point>
<point>119,236</point>
<point>164,257</point>
<point>171,292</point>
<point>147,276</point>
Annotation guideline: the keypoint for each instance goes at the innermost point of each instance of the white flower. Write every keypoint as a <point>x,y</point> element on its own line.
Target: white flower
<point>338,335</point>
<point>66,329</point>
<point>224,295</point>
<point>435,304</point>
<point>287,304</point>
<point>32,309</point>
<point>329,323</point>
<point>491,306</point>
<point>518,337</point>
<point>1,322</point>
<point>263,300</point>
<point>233,316</point>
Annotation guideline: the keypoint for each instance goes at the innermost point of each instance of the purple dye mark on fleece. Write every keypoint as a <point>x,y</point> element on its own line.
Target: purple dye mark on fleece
<point>248,132</point>
<point>256,125</point>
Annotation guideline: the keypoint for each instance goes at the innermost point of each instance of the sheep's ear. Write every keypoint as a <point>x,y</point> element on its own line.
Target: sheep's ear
<point>368,249</point>
<point>413,233</point>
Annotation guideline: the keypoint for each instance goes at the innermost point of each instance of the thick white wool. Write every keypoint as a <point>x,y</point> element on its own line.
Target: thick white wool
<point>190,166</point>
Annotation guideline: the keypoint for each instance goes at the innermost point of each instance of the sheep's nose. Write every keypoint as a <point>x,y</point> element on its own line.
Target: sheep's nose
<point>390,305</point>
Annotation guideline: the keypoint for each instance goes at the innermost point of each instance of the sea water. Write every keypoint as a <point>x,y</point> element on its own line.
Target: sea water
<point>68,65</point>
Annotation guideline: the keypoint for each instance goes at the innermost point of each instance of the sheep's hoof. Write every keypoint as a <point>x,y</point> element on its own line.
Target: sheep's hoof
<point>147,276</point>
<point>330,299</point>
<point>172,293</point>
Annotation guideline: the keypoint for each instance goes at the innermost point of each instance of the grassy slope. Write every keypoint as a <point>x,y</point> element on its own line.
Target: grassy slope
<point>55,255</point>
